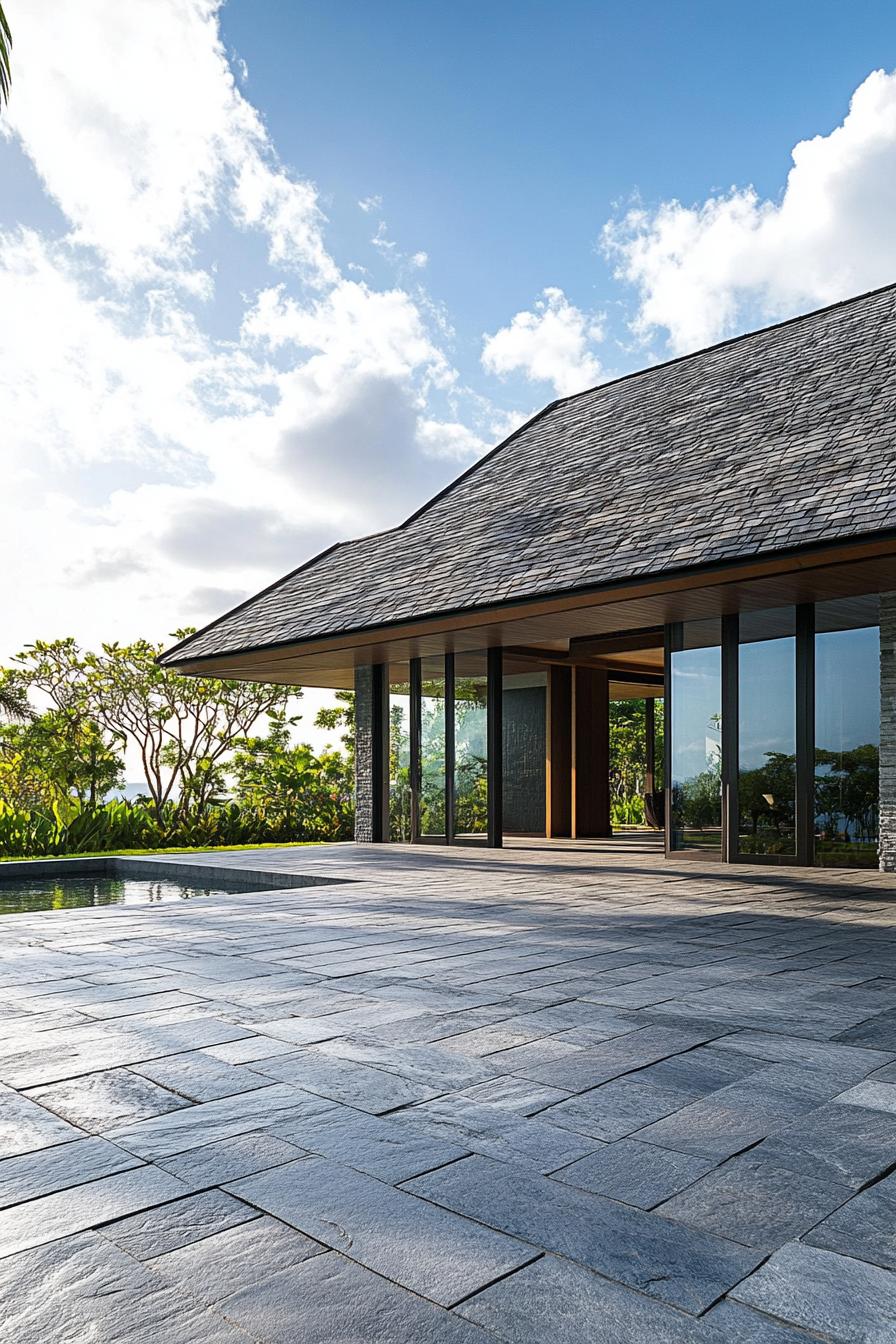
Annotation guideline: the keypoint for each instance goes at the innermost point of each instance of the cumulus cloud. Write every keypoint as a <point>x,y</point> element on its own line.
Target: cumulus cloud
<point>208,532</point>
<point>206,602</point>
<point>550,343</point>
<point>707,270</point>
<point>139,169</point>
<point>147,451</point>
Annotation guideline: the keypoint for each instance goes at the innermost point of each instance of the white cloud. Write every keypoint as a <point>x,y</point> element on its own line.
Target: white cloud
<point>705,271</point>
<point>370,204</point>
<point>156,136</point>
<point>550,343</point>
<point>156,469</point>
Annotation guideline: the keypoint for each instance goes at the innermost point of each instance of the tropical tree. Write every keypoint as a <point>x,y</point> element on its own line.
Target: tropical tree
<point>341,715</point>
<point>628,756</point>
<point>55,757</point>
<point>183,728</point>
<point>14,704</point>
<point>306,795</point>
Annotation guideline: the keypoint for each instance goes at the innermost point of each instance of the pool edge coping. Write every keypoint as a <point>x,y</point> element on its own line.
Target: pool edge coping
<point>116,865</point>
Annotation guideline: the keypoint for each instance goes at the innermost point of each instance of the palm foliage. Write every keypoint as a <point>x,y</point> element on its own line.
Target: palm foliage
<point>5,49</point>
<point>14,699</point>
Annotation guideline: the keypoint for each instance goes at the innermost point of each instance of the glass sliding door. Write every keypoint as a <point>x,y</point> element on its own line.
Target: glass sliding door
<point>431,774</point>
<point>400,793</point>
<point>766,773</point>
<point>847,732</point>
<point>470,746</point>
<point>695,746</point>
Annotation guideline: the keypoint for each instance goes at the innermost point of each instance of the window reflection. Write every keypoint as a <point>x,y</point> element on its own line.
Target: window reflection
<point>696,745</point>
<point>470,745</point>
<point>847,733</point>
<point>400,753</point>
<point>767,732</point>
<point>432,747</point>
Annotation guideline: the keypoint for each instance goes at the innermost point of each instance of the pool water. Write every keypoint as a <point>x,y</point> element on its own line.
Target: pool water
<point>20,896</point>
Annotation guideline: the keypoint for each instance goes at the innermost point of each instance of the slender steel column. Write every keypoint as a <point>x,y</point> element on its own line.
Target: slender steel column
<point>805,734</point>
<point>671,640</point>
<point>730,737</point>
<point>495,747</point>
<point>416,689</point>
<point>449,748</point>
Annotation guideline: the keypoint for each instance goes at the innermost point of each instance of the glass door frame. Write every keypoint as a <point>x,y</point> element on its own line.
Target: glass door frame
<point>493,837</point>
<point>804,710</point>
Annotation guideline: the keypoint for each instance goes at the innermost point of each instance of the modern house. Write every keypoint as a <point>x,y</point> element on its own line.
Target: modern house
<point>718,531</point>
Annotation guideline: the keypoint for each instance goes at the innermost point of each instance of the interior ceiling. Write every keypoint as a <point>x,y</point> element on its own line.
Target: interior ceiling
<point>623,633</point>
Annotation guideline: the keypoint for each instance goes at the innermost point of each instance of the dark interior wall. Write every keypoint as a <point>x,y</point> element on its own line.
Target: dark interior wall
<point>524,759</point>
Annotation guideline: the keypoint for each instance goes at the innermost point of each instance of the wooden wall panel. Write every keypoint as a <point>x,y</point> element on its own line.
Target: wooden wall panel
<point>590,752</point>
<point>558,774</point>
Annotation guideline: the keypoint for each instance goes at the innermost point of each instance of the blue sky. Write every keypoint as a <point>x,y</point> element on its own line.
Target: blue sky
<point>501,136</point>
<point>280,270</point>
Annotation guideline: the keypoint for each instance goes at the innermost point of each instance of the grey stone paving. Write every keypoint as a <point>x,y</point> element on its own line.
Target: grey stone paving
<point>541,1095</point>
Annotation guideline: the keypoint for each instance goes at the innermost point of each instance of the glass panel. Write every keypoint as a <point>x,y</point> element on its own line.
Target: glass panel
<point>400,753</point>
<point>523,722</point>
<point>847,732</point>
<point>629,803</point>
<point>659,721</point>
<point>767,732</point>
<point>470,745</point>
<point>432,747</point>
<point>696,747</point>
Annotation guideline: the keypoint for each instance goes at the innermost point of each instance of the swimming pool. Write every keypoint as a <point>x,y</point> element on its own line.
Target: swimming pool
<point>21,895</point>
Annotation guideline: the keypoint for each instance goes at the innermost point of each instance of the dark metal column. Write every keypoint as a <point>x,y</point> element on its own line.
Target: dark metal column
<point>449,748</point>
<point>730,736</point>
<point>495,747</point>
<point>416,688</point>
<point>805,734</point>
<point>671,641</point>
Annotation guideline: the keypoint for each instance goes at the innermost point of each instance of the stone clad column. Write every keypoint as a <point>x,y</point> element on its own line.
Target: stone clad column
<point>371,755</point>
<point>888,732</point>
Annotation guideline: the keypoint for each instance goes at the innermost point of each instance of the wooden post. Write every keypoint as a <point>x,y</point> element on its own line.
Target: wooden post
<point>558,774</point>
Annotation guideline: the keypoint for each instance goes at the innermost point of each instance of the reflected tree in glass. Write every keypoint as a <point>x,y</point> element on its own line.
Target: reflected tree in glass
<point>847,735</point>
<point>696,741</point>
<point>766,793</point>
<point>471,755</point>
<point>432,748</point>
<point>400,762</point>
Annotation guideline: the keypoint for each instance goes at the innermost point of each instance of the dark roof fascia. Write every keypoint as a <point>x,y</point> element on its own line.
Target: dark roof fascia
<point>697,572</point>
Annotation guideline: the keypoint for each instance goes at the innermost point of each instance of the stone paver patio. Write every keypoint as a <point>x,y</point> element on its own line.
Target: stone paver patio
<point>545,1095</point>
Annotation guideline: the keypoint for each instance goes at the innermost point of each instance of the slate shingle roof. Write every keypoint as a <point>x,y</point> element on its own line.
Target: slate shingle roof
<point>777,439</point>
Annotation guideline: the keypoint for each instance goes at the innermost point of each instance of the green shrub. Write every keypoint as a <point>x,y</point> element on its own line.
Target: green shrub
<point>74,828</point>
